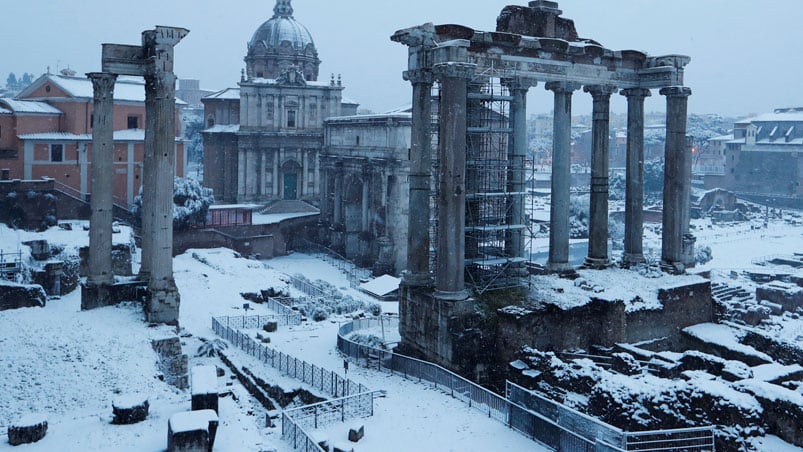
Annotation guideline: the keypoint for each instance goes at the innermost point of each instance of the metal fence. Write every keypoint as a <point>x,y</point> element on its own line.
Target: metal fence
<point>317,377</point>
<point>296,422</point>
<point>276,305</point>
<point>258,321</point>
<point>540,419</point>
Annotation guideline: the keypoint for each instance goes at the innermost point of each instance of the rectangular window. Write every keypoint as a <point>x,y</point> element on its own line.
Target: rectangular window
<point>8,154</point>
<point>133,122</point>
<point>291,118</point>
<point>56,152</point>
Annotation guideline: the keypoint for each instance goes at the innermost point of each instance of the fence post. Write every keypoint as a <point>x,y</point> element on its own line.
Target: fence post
<point>342,410</point>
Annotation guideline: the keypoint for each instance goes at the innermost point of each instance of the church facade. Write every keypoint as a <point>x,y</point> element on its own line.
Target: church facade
<point>263,140</point>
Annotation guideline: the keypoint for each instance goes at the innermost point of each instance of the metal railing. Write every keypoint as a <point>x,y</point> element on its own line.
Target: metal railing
<point>258,321</point>
<point>317,377</point>
<point>296,421</point>
<point>538,418</point>
<point>332,257</point>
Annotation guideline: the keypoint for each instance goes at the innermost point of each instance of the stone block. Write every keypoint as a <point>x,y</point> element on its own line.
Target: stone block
<point>270,326</point>
<point>356,433</point>
<point>129,410</point>
<point>204,388</point>
<point>342,448</point>
<point>192,431</point>
<point>625,363</point>
<point>28,429</point>
<point>15,296</point>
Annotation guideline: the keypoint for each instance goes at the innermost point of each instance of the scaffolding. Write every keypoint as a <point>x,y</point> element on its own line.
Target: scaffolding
<point>495,239</point>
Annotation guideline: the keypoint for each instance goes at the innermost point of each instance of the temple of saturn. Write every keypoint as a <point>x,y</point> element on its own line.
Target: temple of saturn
<point>152,60</point>
<point>459,67</point>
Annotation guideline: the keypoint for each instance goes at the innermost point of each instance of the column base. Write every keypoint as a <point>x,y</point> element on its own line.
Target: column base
<point>673,268</point>
<point>417,279</point>
<point>458,295</point>
<point>96,296</point>
<point>162,305</point>
<point>632,259</point>
<point>596,263</point>
<point>559,267</point>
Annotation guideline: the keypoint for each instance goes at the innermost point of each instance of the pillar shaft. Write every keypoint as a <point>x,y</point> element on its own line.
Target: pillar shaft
<point>101,202</point>
<point>162,171</point>
<point>160,134</point>
<point>337,208</point>
<point>420,179</point>
<point>598,208</point>
<point>517,153</point>
<point>634,177</point>
<point>675,178</point>
<point>450,279</point>
<point>561,176</point>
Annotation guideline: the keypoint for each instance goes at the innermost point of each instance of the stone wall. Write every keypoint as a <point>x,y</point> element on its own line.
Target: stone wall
<point>14,296</point>
<point>551,328</point>
<point>682,306</point>
<point>172,362</point>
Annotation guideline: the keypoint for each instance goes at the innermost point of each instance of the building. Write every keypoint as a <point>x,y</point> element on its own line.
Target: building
<point>263,139</point>
<point>365,189</point>
<point>762,160</point>
<point>46,132</point>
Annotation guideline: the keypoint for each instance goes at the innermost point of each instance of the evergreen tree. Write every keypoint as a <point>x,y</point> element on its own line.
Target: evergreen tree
<point>11,81</point>
<point>26,80</point>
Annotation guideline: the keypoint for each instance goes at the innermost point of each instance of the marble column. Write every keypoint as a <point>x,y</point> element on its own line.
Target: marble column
<point>598,208</point>
<point>417,272</point>
<point>676,178</point>
<point>634,177</point>
<point>561,176</point>
<point>450,268</point>
<point>517,153</point>
<point>100,230</point>
<point>160,87</point>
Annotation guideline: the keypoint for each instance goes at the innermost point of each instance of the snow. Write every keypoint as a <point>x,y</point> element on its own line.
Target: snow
<point>274,218</point>
<point>770,392</point>
<point>381,286</point>
<point>636,291</point>
<point>129,401</point>
<point>773,371</point>
<point>31,419</point>
<point>203,380</point>
<point>724,336</point>
<point>30,106</point>
<point>189,421</point>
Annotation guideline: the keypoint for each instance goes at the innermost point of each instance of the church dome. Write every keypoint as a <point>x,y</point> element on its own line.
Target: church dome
<point>280,43</point>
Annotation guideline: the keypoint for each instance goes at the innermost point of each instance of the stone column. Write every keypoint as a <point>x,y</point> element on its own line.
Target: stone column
<point>634,177</point>
<point>675,178</point>
<point>517,153</point>
<point>100,231</point>
<point>160,87</point>
<point>598,209</point>
<point>420,179</point>
<point>561,176</point>
<point>364,215</point>
<point>450,279</point>
<point>337,208</point>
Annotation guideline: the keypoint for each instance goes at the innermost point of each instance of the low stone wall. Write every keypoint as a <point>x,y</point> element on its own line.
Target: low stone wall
<point>15,296</point>
<point>551,328</point>
<point>682,306</point>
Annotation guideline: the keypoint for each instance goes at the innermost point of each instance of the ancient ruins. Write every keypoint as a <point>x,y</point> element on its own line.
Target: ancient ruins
<point>153,60</point>
<point>481,79</point>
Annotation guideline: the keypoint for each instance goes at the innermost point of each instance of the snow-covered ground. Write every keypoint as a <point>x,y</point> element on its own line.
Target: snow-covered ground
<point>70,364</point>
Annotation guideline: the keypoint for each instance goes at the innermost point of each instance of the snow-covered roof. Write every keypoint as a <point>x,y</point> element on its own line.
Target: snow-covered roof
<point>3,111</point>
<point>406,108</point>
<point>234,206</point>
<point>346,100</point>
<point>126,88</point>
<point>728,137</point>
<point>381,286</point>
<point>774,117</point>
<point>272,81</point>
<point>119,135</point>
<point>228,93</point>
<point>369,117</point>
<point>30,107</point>
<point>223,128</point>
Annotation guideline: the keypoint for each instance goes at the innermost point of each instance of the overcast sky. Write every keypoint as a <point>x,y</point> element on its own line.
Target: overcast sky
<point>746,55</point>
